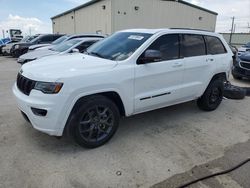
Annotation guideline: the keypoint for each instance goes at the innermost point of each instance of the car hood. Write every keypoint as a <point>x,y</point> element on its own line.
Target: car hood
<point>245,56</point>
<point>37,54</point>
<point>38,46</point>
<point>46,47</point>
<point>55,68</point>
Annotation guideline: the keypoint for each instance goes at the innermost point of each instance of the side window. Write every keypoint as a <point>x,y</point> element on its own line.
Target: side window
<point>47,38</point>
<point>214,45</point>
<point>82,47</point>
<point>54,37</point>
<point>192,45</point>
<point>167,45</point>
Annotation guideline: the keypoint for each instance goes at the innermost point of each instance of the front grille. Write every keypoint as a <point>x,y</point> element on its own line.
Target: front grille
<point>245,65</point>
<point>24,84</point>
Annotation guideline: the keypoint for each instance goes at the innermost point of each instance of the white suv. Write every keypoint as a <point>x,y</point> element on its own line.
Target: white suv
<point>130,72</point>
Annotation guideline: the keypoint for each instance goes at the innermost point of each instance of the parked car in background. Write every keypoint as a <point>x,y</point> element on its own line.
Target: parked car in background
<point>22,48</point>
<point>241,67</point>
<point>7,50</point>
<point>71,46</point>
<point>130,72</point>
<point>2,44</point>
<point>37,46</point>
<point>244,49</point>
<point>63,39</point>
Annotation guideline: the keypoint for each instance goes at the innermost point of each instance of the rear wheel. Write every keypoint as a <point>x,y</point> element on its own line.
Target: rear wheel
<point>95,122</point>
<point>212,97</point>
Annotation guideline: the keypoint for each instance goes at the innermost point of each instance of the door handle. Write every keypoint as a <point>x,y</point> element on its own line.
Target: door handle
<point>210,59</point>
<point>177,65</point>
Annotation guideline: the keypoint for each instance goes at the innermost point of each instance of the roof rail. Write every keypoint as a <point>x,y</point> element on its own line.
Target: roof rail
<point>191,29</point>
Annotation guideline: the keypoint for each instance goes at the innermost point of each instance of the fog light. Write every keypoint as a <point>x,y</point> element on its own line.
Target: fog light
<point>39,112</point>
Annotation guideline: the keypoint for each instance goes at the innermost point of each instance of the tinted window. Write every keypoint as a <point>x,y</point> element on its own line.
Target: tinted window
<point>66,45</point>
<point>82,47</point>
<point>47,38</point>
<point>54,37</point>
<point>168,45</point>
<point>192,45</point>
<point>214,45</point>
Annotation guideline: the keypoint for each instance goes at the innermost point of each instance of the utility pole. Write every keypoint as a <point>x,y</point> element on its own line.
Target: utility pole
<point>232,28</point>
<point>3,33</point>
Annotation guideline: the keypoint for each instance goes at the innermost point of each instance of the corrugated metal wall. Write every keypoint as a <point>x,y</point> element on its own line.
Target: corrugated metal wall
<point>238,39</point>
<point>121,14</point>
<point>94,18</point>
<point>89,19</point>
<point>159,14</point>
<point>64,24</point>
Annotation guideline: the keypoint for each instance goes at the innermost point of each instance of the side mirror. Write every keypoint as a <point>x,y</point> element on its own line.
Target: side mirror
<point>150,56</point>
<point>75,50</point>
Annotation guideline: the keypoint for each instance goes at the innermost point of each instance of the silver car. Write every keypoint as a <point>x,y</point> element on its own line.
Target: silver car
<point>71,46</point>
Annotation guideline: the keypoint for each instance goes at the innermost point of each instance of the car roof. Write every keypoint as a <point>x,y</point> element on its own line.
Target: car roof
<point>81,39</point>
<point>171,30</point>
<point>87,35</point>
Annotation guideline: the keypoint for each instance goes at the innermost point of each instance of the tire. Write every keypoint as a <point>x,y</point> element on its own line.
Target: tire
<point>212,97</point>
<point>95,121</point>
<point>234,92</point>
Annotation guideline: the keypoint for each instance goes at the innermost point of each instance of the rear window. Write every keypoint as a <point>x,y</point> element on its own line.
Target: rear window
<point>214,45</point>
<point>192,45</point>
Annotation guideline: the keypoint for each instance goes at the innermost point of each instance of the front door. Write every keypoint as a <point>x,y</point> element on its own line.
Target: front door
<point>158,83</point>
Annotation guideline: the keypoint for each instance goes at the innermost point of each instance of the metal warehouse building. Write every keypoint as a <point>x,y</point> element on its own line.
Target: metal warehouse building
<point>108,16</point>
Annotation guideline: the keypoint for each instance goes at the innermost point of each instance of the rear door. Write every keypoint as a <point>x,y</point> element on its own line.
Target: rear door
<point>217,53</point>
<point>197,65</point>
<point>158,83</point>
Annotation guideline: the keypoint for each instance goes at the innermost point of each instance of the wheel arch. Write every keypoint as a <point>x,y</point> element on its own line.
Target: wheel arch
<point>112,95</point>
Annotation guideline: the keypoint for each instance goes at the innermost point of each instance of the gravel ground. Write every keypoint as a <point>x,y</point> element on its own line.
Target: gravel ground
<point>160,148</point>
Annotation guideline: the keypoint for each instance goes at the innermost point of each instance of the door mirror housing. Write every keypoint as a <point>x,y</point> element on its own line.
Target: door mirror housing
<point>150,56</point>
<point>75,50</point>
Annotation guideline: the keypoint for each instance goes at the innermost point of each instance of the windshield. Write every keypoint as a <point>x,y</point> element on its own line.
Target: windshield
<point>248,45</point>
<point>60,40</point>
<point>118,46</point>
<point>66,45</point>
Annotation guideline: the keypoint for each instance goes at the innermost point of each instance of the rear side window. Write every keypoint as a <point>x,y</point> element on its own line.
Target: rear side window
<point>82,47</point>
<point>192,45</point>
<point>47,38</point>
<point>214,45</point>
<point>168,45</point>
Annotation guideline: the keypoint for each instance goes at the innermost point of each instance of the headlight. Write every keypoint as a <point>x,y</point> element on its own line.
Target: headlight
<point>48,87</point>
<point>17,46</point>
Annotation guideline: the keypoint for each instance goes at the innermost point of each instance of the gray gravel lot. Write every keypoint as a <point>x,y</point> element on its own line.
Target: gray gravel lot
<point>150,149</point>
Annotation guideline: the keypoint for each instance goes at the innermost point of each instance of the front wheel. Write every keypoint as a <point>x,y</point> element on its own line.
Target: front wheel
<point>95,122</point>
<point>212,97</point>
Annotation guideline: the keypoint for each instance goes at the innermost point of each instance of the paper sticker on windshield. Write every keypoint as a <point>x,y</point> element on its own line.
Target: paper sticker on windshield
<point>135,37</point>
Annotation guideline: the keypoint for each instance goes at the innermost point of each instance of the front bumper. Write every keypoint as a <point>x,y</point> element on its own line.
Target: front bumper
<point>53,123</point>
<point>241,72</point>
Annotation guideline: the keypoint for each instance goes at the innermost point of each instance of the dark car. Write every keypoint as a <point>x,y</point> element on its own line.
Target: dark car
<point>241,67</point>
<point>64,39</point>
<point>22,48</point>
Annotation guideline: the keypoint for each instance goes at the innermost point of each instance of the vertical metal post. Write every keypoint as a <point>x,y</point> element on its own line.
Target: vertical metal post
<point>232,28</point>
